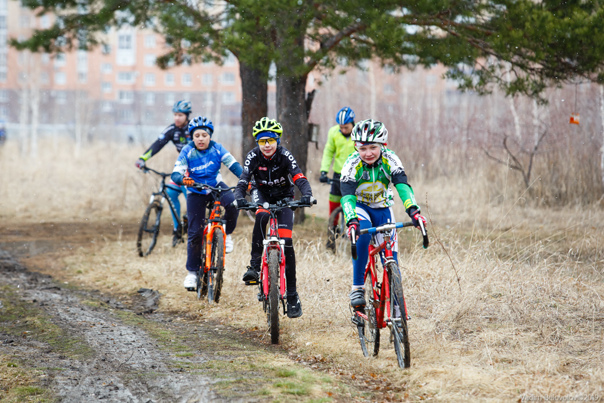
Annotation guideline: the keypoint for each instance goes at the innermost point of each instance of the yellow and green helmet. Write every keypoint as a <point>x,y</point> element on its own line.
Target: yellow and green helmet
<point>267,125</point>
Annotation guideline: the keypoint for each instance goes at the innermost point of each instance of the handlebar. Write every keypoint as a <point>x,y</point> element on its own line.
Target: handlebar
<point>280,205</point>
<point>391,226</point>
<point>146,169</point>
<point>203,186</point>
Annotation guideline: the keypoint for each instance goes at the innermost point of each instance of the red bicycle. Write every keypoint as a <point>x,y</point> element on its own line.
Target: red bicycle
<point>212,250</point>
<point>272,273</point>
<point>385,299</point>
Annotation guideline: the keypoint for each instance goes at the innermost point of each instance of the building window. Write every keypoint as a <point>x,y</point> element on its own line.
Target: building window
<point>45,58</point>
<point>44,77</point>
<point>3,95</point>
<point>149,79</point>
<point>170,98</point>
<point>60,78</point>
<point>150,60</point>
<point>388,89</point>
<point>228,98</point>
<point>106,68</point>
<point>24,21</point>
<point>150,98</point>
<point>125,77</point>
<point>207,79</point>
<point>82,61</point>
<point>3,60</point>
<point>3,111</point>
<point>61,97</point>
<point>106,106</point>
<point>106,48</point>
<point>2,76</point>
<point>126,114</point>
<point>150,41</point>
<point>228,78</point>
<point>82,77</point>
<point>23,77</point>
<point>125,97</point>
<point>106,87</point>
<point>230,60</point>
<point>60,59</point>
<point>186,79</point>
<point>169,79</point>
<point>124,41</point>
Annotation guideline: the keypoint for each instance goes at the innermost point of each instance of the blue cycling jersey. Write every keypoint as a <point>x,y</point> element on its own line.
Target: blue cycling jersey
<point>204,166</point>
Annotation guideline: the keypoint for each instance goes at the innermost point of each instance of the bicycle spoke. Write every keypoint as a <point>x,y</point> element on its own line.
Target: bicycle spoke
<point>273,295</point>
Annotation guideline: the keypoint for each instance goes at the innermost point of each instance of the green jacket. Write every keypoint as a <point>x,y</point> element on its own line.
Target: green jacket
<point>370,184</point>
<point>338,146</point>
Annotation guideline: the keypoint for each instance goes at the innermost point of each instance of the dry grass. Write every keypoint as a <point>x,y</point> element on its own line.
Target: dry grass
<point>525,319</point>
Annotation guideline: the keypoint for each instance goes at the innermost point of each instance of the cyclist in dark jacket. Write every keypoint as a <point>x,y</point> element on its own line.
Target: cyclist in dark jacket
<point>178,134</point>
<point>273,171</point>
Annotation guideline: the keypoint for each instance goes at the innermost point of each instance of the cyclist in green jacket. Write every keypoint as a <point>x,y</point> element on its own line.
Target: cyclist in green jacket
<point>367,199</point>
<point>338,147</point>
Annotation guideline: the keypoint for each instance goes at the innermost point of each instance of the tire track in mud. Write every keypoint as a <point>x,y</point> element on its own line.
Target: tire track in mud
<point>126,364</point>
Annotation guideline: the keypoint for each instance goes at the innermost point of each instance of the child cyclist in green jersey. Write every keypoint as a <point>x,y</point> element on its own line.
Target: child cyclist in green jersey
<point>367,199</point>
<point>338,147</point>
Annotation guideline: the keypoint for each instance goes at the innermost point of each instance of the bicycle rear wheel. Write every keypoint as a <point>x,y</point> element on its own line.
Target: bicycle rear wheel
<point>398,328</point>
<point>148,230</point>
<point>273,294</point>
<point>202,285</point>
<point>369,333</point>
<point>217,268</point>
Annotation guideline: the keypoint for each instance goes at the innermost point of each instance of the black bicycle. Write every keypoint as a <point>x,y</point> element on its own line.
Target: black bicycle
<point>149,227</point>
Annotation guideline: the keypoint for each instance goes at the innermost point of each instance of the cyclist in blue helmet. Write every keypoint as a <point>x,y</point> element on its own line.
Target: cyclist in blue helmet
<point>200,162</point>
<point>338,147</point>
<point>178,134</point>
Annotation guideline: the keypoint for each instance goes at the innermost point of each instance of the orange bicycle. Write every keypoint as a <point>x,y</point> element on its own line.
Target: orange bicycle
<point>209,283</point>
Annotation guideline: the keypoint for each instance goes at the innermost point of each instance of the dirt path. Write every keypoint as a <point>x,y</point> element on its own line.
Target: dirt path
<point>117,359</point>
<point>75,345</point>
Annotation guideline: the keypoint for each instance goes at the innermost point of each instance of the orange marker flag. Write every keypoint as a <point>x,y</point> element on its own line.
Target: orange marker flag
<point>574,119</point>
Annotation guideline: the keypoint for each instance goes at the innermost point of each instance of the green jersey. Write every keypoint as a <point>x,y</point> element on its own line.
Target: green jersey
<point>370,184</point>
<point>337,149</point>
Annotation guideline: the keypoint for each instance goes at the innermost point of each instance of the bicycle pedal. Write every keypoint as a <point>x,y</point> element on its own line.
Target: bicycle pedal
<point>251,282</point>
<point>358,321</point>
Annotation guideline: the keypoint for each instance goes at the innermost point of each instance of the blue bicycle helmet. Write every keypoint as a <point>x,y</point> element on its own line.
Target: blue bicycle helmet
<point>344,116</point>
<point>182,107</point>
<point>201,122</point>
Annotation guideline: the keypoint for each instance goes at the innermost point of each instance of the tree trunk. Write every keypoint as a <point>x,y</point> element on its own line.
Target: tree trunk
<point>254,103</point>
<point>291,113</point>
<point>602,149</point>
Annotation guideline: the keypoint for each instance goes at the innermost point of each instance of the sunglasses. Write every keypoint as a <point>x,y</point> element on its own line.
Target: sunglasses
<point>267,141</point>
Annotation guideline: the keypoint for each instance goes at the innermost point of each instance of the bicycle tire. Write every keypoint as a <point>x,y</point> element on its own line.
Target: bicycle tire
<point>336,233</point>
<point>202,289</point>
<point>217,265</point>
<point>399,330</point>
<point>147,236</point>
<point>369,333</point>
<point>273,295</point>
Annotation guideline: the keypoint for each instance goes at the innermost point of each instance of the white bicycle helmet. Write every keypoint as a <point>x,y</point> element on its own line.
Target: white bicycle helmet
<point>370,131</point>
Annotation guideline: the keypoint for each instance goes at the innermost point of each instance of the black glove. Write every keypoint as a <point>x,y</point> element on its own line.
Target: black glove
<point>354,223</point>
<point>306,200</point>
<point>416,217</point>
<point>323,178</point>
<point>241,203</point>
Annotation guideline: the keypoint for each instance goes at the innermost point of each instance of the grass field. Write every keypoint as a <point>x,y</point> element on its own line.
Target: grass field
<point>506,303</point>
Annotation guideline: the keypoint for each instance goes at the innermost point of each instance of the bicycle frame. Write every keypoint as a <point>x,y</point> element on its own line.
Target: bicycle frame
<point>273,242</point>
<point>161,195</point>
<point>215,223</point>
<point>381,291</point>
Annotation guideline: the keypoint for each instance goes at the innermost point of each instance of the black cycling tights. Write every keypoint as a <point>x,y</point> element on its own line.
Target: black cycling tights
<point>286,222</point>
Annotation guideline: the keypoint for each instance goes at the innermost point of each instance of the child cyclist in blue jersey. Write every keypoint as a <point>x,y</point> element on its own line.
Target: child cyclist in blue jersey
<point>273,171</point>
<point>367,199</point>
<point>199,162</point>
<point>176,133</point>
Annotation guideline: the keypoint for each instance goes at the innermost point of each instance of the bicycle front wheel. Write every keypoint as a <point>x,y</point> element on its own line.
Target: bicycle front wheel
<point>217,269</point>
<point>369,333</point>
<point>148,230</point>
<point>398,328</point>
<point>273,294</point>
